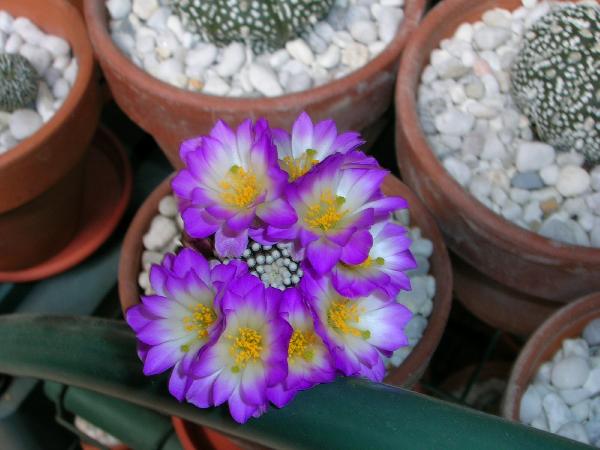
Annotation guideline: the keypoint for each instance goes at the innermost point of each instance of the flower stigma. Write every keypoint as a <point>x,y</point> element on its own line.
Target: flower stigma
<point>325,214</point>
<point>341,316</point>
<point>301,345</point>
<point>240,188</point>
<point>246,346</point>
<point>199,321</point>
<point>296,167</point>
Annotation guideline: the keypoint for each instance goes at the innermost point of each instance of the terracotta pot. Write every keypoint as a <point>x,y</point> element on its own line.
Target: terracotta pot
<point>41,179</point>
<point>567,322</point>
<point>524,264</point>
<point>412,368</point>
<point>171,115</point>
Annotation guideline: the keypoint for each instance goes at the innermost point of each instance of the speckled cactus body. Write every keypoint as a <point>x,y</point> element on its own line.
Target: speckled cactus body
<point>264,24</point>
<point>18,82</point>
<point>556,79</point>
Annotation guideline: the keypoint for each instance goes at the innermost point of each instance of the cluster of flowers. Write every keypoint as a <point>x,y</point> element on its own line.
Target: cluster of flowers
<point>315,202</point>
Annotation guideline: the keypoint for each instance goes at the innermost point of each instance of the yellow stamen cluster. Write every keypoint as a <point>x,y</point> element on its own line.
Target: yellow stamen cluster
<point>199,321</point>
<point>326,214</point>
<point>301,346</point>
<point>240,188</point>
<point>341,316</point>
<point>245,347</point>
<point>296,167</point>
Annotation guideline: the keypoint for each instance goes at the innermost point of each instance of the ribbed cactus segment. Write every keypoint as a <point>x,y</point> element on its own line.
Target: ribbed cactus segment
<point>264,24</point>
<point>556,79</point>
<point>18,82</point>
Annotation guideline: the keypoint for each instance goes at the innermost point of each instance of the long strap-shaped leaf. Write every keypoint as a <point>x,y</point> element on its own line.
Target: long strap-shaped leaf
<point>99,354</point>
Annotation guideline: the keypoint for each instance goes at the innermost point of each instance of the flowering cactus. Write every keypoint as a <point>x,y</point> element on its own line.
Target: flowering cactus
<point>307,266</point>
<point>266,25</point>
<point>556,79</point>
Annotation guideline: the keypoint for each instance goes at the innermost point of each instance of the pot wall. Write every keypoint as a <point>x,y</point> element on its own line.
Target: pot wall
<point>171,115</point>
<point>514,257</point>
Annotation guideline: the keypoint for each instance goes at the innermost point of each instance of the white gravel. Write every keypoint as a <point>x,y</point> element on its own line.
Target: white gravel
<point>486,143</point>
<point>564,397</point>
<point>355,32</point>
<point>52,58</point>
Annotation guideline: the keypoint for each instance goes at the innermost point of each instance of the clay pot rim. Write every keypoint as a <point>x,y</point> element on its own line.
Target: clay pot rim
<point>564,323</point>
<point>508,234</point>
<point>82,51</point>
<point>129,268</point>
<point>96,18</point>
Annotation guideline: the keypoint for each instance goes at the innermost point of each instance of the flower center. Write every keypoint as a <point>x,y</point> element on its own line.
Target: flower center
<point>246,346</point>
<point>325,214</point>
<point>301,346</point>
<point>273,264</point>
<point>240,188</point>
<point>199,321</point>
<point>343,314</point>
<point>296,167</point>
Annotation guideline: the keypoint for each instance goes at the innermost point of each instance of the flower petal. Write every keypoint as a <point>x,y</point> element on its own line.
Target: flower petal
<point>357,249</point>
<point>323,255</point>
<point>277,213</point>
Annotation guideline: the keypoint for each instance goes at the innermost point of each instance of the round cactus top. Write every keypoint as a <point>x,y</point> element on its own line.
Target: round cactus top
<point>556,79</point>
<point>264,24</point>
<point>18,82</point>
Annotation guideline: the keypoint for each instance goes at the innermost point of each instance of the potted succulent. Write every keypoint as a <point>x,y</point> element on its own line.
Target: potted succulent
<point>207,76</point>
<point>503,159</point>
<point>554,383</point>
<point>49,111</point>
<point>259,245</point>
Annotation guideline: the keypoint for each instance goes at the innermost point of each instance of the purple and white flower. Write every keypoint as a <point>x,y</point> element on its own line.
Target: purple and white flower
<point>310,144</point>
<point>389,258</point>
<point>356,331</point>
<point>309,360</point>
<point>249,355</point>
<point>336,203</point>
<point>175,323</point>
<point>232,183</point>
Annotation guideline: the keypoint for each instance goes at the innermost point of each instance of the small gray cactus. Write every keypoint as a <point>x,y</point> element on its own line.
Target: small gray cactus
<point>556,79</point>
<point>18,82</point>
<point>264,24</point>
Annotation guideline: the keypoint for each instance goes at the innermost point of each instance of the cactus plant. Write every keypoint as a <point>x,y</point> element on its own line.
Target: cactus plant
<point>18,82</point>
<point>265,25</point>
<point>556,79</point>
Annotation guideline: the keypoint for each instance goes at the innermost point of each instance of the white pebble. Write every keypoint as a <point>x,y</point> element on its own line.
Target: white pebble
<point>571,372</point>
<point>363,31</point>
<point>118,9</point>
<point>458,169</point>
<point>557,412</point>
<point>24,123</point>
<point>531,405</point>
<point>572,181</point>
<point>28,31</point>
<point>264,80</point>
<point>232,59</point>
<point>145,8</point>
<point>533,156</point>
